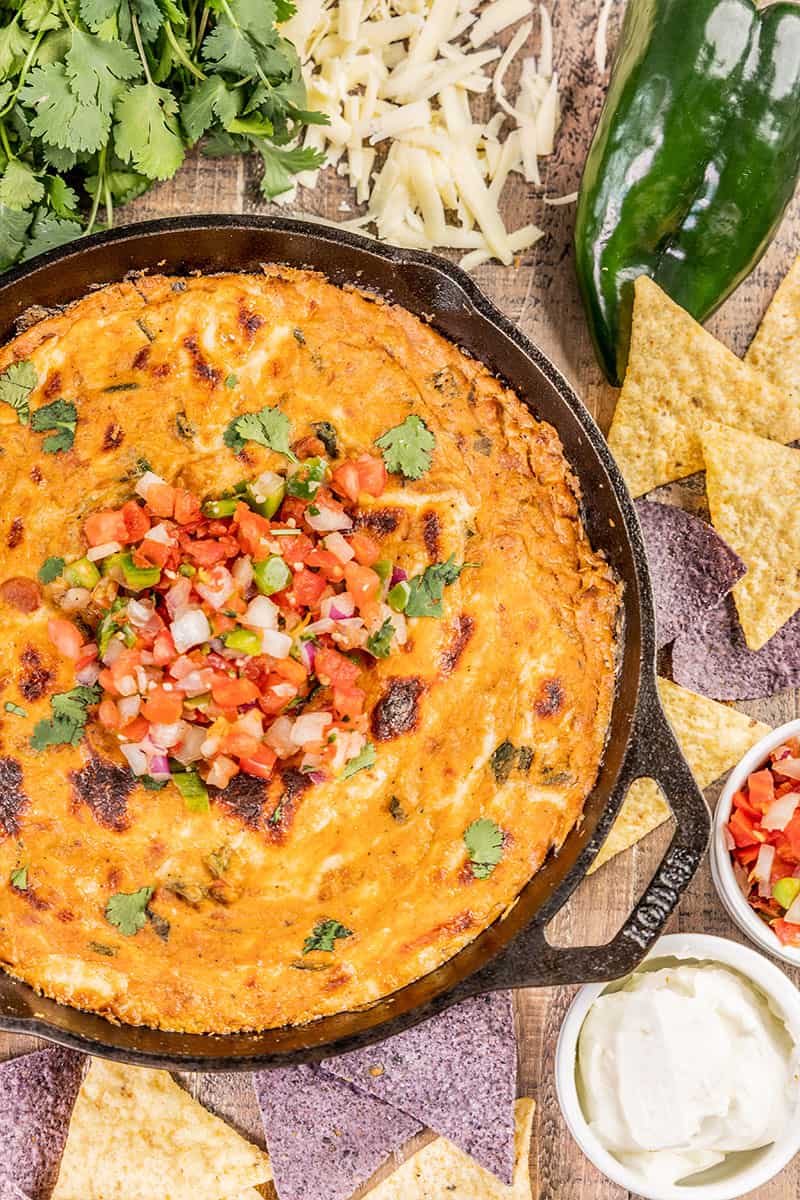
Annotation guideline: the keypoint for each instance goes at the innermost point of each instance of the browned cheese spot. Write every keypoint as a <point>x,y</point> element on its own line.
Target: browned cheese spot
<point>202,369</point>
<point>104,788</point>
<point>21,593</point>
<point>53,385</point>
<point>36,474</point>
<point>35,679</point>
<point>16,532</point>
<point>294,784</point>
<point>397,711</point>
<point>463,629</point>
<point>551,698</point>
<point>113,437</point>
<point>249,321</point>
<point>12,798</point>
<point>140,358</point>
<point>431,531</point>
<point>380,521</point>
<point>245,797</point>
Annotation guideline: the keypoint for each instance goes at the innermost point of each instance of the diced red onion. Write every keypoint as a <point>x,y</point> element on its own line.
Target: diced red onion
<point>88,674</point>
<point>310,727</point>
<point>327,520</point>
<point>242,572</point>
<point>145,482</point>
<point>763,868</point>
<point>159,766</point>
<point>781,811</point>
<point>793,912</point>
<point>76,599</point>
<point>728,838</point>
<point>261,613</point>
<point>307,653</point>
<point>129,707</point>
<point>137,759</point>
<point>790,767</point>
<point>167,736</point>
<point>178,596</point>
<point>398,576</point>
<point>740,875</point>
<point>190,747</point>
<point>276,644</point>
<point>95,553</point>
<point>318,777</point>
<point>339,547</point>
<point>190,629</point>
<point>780,752</point>
<point>338,607</point>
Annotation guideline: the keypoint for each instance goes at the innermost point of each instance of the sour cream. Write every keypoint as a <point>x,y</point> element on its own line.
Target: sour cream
<point>683,1066</point>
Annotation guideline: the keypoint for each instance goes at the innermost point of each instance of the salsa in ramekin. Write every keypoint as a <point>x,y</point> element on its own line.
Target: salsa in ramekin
<point>763,837</point>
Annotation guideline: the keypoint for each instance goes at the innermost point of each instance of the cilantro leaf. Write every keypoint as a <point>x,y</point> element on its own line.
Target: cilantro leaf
<point>19,186</point>
<point>13,228</point>
<point>69,718</point>
<point>407,447</point>
<point>49,231</point>
<point>61,118</point>
<point>427,589</point>
<point>11,707</point>
<point>361,761</point>
<point>62,199</point>
<point>146,132</point>
<point>324,936</point>
<point>211,100</point>
<point>484,842</point>
<point>280,165</point>
<point>97,68</point>
<point>14,46</point>
<point>16,384</point>
<point>19,879</point>
<point>245,40</point>
<point>61,416</point>
<point>126,911</point>
<point>379,643</point>
<point>270,427</point>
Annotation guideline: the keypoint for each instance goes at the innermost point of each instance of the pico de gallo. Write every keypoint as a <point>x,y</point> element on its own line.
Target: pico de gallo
<point>763,836</point>
<point>226,634</point>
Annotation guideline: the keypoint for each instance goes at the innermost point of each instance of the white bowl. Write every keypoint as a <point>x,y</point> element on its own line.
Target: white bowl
<point>728,889</point>
<point>740,1172</point>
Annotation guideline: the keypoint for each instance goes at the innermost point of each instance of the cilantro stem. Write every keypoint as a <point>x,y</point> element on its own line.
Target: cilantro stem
<point>139,46</point>
<point>5,142</point>
<point>181,54</point>
<point>101,177</point>
<point>201,30</point>
<point>66,14</point>
<point>30,56</point>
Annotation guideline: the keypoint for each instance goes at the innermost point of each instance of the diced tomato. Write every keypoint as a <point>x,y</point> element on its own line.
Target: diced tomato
<point>88,655</point>
<point>221,624</point>
<point>108,714</point>
<point>105,526</point>
<point>252,529</point>
<point>788,934</point>
<point>747,855</point>
<point>164,649</point>
<point>161,707</point>
<point>187,507</point>
<point>297,549</point>
<point>332,667</point>
<point>372,474</point>
<point>230,693</point>
<point>293,509</point>
<point>740,800</point>
<point>136,729</point>
<point>207,553</point>
<point>291,670</point>
<point>363,585</point>
<point>330,566</point>
<point>161,499</point>
<point>106,681</point>
<point>760,790</point>
<point>268,702</point>
<point>66,637</point>
<point>240,744</point>
<point>151,554</point>
<point>365,548</point>
<point>792,834</point>
<point>345,480</point>
<point>348,702</point>
<point>309,447</point>
<point>136,520</point>
<point>308,587</point>
<point>259,764</point>
<point>743,830</point>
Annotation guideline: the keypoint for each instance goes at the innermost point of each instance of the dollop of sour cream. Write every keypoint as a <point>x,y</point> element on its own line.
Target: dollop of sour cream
<point>682,1066</point>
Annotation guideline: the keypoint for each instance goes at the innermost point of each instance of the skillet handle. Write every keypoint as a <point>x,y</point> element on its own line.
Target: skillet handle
<point>653,752</point>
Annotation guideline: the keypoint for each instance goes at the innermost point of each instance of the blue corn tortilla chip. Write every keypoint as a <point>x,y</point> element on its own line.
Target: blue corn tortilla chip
<point>712,658</point>
<point>37,1095</point>
<point>324,1138</point>
<point>691,568</point>
<point>456,1073</point>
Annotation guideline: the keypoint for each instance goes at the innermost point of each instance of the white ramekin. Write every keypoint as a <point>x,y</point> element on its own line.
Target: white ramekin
<point>742,1172</point>
<point>728,889</point>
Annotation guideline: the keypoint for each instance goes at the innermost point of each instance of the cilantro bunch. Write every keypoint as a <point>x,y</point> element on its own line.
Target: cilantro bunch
<point>99,98</point>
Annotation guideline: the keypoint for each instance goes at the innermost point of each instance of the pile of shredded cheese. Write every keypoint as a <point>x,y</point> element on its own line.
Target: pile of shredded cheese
<point>398,80</point>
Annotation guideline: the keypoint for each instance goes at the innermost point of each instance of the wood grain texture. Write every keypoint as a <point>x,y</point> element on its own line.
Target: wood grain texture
<point>540,295</point>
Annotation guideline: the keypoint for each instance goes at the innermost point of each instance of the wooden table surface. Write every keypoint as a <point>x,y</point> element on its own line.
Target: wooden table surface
<point>540,295</point>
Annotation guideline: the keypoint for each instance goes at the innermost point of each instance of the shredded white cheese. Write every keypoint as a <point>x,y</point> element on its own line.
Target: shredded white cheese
<point>401,82</point>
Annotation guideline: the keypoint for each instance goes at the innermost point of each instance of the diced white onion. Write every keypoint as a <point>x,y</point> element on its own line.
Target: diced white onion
<point>790,767</point>
<point>75,599</point>
<point>139,613</point>
<point>95,553</point>
<point>146,481</point>
<point>195,683</point>
<point>328,519</point>
<point>781,811</point>
<point>793,912</point>
<point>325,625</point>
<point>167,736</point>
<point>279,737</point>
<point>310,727</point>
<point>190,748</point>
<point>763,867</point>
<point>242,572</point>
<point>275,644</point>
<point>218,592</point>
<point>222,770</point>
<point>343,603</point>
<point>190,629</point>
<point>160,534</point>
<point>178,596</point>
<point>261,613</point>
<point>137,759</point>
<point>129,707</point>
<point>113,650</point>
<point>339,547</point>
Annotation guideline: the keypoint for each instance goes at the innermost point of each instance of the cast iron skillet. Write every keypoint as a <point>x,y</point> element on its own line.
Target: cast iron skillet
<point>514,951</point>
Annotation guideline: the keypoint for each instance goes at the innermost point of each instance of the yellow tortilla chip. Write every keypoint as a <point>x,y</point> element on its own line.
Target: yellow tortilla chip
<point>136,1135</point>
<point>678,378</point>
<point>775,350</point>
<point>753,488</point>
<point>712,736</point>
<point>440,1171</point>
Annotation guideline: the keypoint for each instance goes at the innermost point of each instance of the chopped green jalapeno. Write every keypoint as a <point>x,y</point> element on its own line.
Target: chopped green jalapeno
<point>138,578</point>
<point>398,596</point>
<point>306,480</point>
<point>266,494</point>
<point>82,573</point>
<point>220,508</point>
<point>383,569</point>
<point>271,575</point>
<point>244,641</point>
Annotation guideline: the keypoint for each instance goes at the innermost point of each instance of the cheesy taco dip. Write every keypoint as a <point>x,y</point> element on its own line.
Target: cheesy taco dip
<point>306,660</point>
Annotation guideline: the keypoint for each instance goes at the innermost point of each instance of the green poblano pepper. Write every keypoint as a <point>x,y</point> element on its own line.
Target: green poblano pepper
<point>693,162</point>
